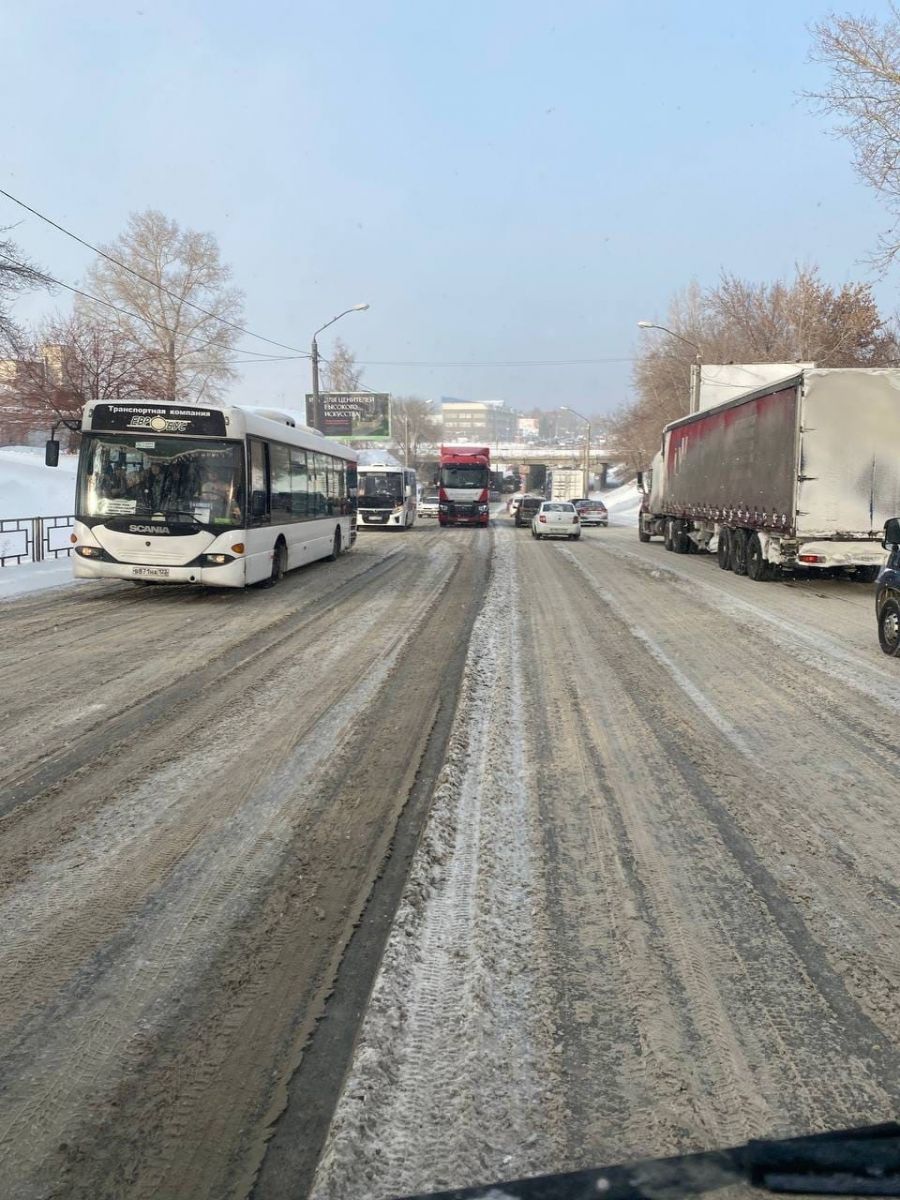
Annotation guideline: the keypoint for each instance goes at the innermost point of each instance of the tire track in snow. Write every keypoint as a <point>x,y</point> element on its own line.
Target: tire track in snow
<point>452,1077</point>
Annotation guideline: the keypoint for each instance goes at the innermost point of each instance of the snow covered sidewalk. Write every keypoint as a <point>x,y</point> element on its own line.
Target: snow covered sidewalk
<point>36,577</point>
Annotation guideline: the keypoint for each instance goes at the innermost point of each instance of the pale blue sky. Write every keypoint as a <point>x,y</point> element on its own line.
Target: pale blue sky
<point>501,180</point>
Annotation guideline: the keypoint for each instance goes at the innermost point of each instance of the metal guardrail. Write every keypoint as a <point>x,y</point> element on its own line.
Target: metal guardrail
<point>34,539</point>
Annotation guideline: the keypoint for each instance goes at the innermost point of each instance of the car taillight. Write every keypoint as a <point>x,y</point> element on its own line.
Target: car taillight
<point>575,519</point>
<point>543,520</point>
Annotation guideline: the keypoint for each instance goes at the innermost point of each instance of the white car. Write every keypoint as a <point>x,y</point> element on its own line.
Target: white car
<point>429,505</point>
<point>556,518</point>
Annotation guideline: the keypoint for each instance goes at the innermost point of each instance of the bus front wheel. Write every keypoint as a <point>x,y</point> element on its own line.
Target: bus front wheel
<point>279,565</point>
<point>335,547</point>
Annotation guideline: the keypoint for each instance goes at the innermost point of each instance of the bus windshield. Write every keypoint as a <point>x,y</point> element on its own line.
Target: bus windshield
<point>383,485</point>
<point>178,478</point>
<point>464,477</point>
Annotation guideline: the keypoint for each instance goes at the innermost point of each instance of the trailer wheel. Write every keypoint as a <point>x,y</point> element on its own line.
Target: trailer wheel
<point>889,627</point>
<point>681,543</point>
<point>643,535</point>
<point>723,550</point>
<point>668,540</point>
<point>738,557</point>
<point>757,567</point>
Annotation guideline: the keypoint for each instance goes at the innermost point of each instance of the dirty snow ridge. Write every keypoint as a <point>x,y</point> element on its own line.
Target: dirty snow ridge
<point>454,1068</point>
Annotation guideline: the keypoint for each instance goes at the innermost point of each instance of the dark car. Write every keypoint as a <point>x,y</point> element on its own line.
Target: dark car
<point>592,512</point>
<point>887,594</point>
<point>528,506</point>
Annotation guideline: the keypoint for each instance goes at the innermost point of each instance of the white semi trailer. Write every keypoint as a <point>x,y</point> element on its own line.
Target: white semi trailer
<point>802,473</point>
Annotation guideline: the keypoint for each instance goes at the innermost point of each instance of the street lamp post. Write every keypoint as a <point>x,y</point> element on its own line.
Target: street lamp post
<point>315,352</point>
<point>587,447</point>
<point>695,365</point>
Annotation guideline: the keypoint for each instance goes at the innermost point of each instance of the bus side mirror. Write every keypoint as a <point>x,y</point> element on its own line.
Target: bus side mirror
<point>640,481</point>
<point>891,533</point>
<point>51,453</point>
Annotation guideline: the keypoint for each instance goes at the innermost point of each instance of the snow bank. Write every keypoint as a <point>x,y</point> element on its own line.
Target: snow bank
<point>21,580</point>
<point>622,502</point>
<point>29,489</point>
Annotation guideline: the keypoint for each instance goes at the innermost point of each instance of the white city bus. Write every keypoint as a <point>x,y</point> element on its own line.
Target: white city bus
<point>221,497</point>
<point>387,496</point>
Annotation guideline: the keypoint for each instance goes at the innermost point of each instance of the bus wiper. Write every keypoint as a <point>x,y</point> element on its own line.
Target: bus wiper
<point>845,1162</point>
<point>181,512</point>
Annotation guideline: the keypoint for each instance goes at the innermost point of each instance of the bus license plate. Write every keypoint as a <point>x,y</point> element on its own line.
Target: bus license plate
<point>151,572</point>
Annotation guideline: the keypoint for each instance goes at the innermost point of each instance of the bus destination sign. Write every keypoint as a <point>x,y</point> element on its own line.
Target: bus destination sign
<point>159,418</point>
<point>362,415</point>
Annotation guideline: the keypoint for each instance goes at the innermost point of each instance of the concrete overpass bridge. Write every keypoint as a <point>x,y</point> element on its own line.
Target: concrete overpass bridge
<point>513,457</point>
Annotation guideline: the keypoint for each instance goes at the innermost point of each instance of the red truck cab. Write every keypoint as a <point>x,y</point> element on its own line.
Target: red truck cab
<point>464,484</point>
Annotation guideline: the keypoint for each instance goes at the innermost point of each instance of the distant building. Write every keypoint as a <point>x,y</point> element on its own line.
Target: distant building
<point>528,427</point>
<point>472,421</point>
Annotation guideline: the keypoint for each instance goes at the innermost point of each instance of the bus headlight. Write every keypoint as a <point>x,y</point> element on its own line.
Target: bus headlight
<point>93,552</point>
<point>217,560</point>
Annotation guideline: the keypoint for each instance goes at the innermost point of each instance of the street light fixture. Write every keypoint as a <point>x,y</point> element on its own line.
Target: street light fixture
<point>587,446</point>
<point>315,352</point>
<point>695,365</point>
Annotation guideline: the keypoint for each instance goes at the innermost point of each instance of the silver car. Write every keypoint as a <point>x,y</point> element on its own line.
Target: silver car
<point>428,505</point>
<point>556,518</point>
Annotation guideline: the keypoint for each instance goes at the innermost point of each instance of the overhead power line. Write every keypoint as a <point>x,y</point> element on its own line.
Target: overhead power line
<point>533,362</point>
<point>128,313</point>
<point>153,283</point>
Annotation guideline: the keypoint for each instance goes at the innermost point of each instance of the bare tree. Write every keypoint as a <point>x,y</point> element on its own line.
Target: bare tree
<point>802,319</point>
<point>340,372</point>
<point>414,423</point>
<point>71,361</point>
<point>863,93</point>
<point>17,275</point>
<point>176,285</point>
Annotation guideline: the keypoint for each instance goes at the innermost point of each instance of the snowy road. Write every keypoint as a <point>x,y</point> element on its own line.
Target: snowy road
<point>704,944</point>
<point>654,907</point>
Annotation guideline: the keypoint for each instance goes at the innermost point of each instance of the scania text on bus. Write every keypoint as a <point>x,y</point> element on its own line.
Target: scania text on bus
<point>221,497</point>
<point>387,496</point>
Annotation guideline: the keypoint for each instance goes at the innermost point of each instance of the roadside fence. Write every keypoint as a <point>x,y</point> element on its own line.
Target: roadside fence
<point>34,539</point>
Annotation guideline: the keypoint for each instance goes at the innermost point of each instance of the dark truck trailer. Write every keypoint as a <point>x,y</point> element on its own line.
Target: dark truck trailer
<point>801,473</point>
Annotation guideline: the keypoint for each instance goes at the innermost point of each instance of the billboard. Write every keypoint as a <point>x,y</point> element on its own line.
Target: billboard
<point>362,415</point>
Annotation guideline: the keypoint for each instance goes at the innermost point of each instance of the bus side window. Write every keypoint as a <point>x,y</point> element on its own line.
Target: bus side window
<point>259,483</point>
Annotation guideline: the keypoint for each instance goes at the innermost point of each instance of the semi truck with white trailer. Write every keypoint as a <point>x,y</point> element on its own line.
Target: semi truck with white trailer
<point>799,474</point>
<point>566,483</point>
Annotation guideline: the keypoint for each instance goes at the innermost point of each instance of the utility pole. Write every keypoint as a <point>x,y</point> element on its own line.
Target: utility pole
<point>696,365</point>
<point>587,446</point>
<point>315,353</point>
<point>315,377</point>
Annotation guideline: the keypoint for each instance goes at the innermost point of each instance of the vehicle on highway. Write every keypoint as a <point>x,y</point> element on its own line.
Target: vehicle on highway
<point>465,478</point>
<point>887,594</point>
<point>566,483</point>
<point>429,505</point>
<point>556,518</point>
<point>799,474</point>
<point>386,496</point>
<point>526,509</point>
<point>592,512</point>
<point>222,497</point>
